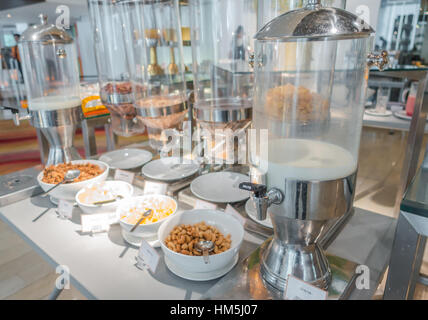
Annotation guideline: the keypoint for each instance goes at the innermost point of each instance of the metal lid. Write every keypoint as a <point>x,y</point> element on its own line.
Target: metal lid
<point>44,33</point>
<point>314,22</point>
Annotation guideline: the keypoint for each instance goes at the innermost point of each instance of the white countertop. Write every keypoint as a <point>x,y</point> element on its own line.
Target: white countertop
<point>99,272</point>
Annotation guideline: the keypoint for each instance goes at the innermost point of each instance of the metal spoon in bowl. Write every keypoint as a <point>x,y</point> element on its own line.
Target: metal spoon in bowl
<point>205,246</point>
<point>70,175</point>
<point>145,214</point>
<point>98,203</point>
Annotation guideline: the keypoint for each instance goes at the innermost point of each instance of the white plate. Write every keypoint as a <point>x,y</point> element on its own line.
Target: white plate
<point>154,242</point>
<point>403,115</point>
<point>220,187</point>
<point>200,276</point>
<point>251,211</point>
<point>372,112</point>
<point>126,158</point>
<point>169,169</point>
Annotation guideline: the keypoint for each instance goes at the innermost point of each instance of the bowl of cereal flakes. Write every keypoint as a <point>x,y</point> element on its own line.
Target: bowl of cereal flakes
<point>91,171</point>
<point>180,234</point>
<point>130,212</point>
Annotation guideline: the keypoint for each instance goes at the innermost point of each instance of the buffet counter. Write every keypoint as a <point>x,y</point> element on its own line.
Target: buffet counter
<point>103,266</point>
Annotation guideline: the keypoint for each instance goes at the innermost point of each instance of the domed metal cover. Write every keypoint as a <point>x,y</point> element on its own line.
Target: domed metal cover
<point>315,23</point>
<point>44,33</point>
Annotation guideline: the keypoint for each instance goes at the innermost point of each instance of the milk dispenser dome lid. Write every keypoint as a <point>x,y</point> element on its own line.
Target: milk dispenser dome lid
<point>315,22</point>
<point>45,33</point>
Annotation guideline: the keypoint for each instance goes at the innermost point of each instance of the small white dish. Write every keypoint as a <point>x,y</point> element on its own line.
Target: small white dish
<point>136,241</point>
<point>126,158</point>
<point>169,169</point>
<point>402,114</point>
<point>251,212</point>
<point>200,276</point>
<point>220,187</point>
<point>372,112</point>
<point>113,188</point>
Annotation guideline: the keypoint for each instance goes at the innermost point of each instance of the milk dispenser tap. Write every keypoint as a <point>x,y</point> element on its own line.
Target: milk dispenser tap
<point>262,198</point>
<point>311,70</point>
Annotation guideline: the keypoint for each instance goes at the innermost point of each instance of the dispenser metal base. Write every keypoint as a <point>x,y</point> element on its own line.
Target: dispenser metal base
<point>246,282</point>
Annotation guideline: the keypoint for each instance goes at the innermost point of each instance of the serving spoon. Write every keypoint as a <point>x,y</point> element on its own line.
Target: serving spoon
<point>118,197</point>
<point>205,246</point>
<point>145,214</point>
<point>70,175</point>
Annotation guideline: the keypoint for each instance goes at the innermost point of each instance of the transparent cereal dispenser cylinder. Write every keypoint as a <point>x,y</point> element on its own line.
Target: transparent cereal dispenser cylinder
<point>113,66</point>
<point>155,52</point>
<point>311,70</point>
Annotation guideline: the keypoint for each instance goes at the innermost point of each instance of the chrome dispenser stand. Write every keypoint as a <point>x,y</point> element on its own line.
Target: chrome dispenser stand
<point>58,127</point>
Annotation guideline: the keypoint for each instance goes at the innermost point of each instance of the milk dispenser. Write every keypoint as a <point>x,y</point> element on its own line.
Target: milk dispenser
<point>311,70</point>
<point>51,75</point>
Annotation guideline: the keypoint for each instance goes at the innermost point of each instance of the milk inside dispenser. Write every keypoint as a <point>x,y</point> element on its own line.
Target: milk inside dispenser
<point>152,33</point>
<point>311,69</point>
<point>51,75</point>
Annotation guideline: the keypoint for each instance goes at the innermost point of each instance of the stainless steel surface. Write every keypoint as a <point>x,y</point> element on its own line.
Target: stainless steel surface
<point>19,185</point>
<point>406,256</point>
<point>70,175</point>
<point>163,111</point>
<point>316,200</point>
<point>315,22</point>
<point>46,34</point>
<point>61,148</point>
<point>246,281</point>
<point>56,118</point>
<point>116,98</point>
<point>365,240</point>
<point>262,198</point>
<point>223,111</point>
<point>308,210</point>
<point>58,127</point>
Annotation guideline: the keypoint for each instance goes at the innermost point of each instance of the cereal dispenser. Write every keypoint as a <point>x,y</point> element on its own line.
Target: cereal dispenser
<point>311,70</point>
<point>113,67</point>
<point>221,35</point>
<point>51,75</point>
<point>153,35</point>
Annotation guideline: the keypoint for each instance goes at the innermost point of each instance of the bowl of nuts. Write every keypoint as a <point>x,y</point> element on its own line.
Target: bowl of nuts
<point>181,238</point>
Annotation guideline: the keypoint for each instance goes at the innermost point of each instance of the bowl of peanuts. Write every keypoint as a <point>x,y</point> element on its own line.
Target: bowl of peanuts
<point>179,235</point>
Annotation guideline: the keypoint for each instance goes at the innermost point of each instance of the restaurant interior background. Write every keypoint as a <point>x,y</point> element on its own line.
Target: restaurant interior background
<point>401,29</point>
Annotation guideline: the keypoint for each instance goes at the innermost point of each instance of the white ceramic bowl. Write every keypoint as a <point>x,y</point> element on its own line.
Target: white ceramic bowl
<point>121,187</point>
<point>148,232</point>
<point>68,191</point>
<point>225,223</point>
